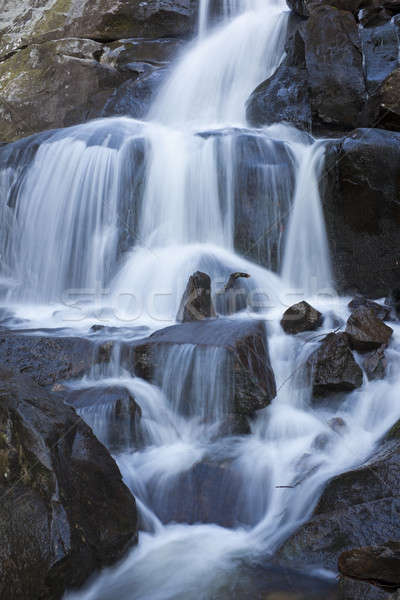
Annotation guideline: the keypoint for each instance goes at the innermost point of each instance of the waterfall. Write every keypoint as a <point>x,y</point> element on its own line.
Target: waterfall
<point>111,217</point>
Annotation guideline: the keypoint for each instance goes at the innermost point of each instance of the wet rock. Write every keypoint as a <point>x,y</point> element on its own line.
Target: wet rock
<point>234,424</point>
<point>285,95</point>
<point>367,332</point>
<point>64,63</point>
<point>301,317</point>
<point>65,511</point>
<point>375,364</point>
<point>250,381</point>
<point>204,494</point>
<point>112,413</point>
<point>379,565</point>
<point>360,199</point>
<point>358,508</point>
<point>320,85</point>
<point>380,311</point>
<point>333,366</point>
<point>305,7</point>
<point>389,103</point>
<point>51,359</point>
<point>196,303</point>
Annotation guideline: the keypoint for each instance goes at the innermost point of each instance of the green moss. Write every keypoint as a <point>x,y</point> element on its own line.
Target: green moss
<point>54,18</point>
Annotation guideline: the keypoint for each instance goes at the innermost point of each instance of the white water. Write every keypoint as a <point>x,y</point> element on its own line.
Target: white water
<point>118,213</point>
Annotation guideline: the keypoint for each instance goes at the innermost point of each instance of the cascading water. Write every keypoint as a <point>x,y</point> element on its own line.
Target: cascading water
<point>130,209</point>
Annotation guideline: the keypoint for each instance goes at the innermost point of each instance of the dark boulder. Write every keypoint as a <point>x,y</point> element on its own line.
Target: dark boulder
<point>301,317</point>
<point>367,332</point>
<point>380,311</point>
<point>305,7</point>
<point>51,359</point>
<point>65,511</point>
<point>375,364</point>
<point>333,366</point>
<point>359,191</point>
<point>378,565</point>
<point>250,382</point>
<point>285,95</point>
<point>320,85</point>
<point>196,303</point>
<point>112,413</point>
<point>358,508</point>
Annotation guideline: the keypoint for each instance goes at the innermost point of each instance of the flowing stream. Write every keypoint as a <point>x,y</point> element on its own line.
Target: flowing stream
<point>104,222</point>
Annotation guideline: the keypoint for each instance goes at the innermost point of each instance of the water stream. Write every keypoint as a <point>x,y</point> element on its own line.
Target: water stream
<point>104,222</point>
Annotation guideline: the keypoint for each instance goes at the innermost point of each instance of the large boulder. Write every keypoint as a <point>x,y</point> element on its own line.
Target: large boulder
<point>242,343</point>
<point>381,311</point>
<point>366,332</point>
<point>321,83</point>
<point>336,75</point>
<point>333,366</point>
<point>65,511</point>
<point>359,190</point>
<point>379,565</point>
<point>375,364</point>
<point>301,317</point>
<point>65,62</point>
<point>358,508</point>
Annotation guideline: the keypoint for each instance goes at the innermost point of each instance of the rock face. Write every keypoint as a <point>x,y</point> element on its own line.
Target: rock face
<point>249,374</point>
<point>358,508</point>
<point>333,366</point>
<point>379,565</point>
<point>301,317</point>
<point>63,63</point>
<point>50,359</point>
<point>360,199</point>
<point>196,303</point>
<point>366,332</point>
<point>64,511</point>
<point>336,75</point>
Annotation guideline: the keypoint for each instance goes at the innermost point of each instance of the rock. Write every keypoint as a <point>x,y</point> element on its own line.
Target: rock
<point>320,85</point>
<point>264,180</point>
<point>250,383</point>
<point>112,414</point>
<point>358,508</point>
<point>135,96</point>
<point>375,364</point>
<point>285,95</point>
<point>359,191</point>
<point>380,311</point>
<point>350,589</point>
<point>63,63</point>
<point>335,70</point>
<point>379,565</point>
<point>196,303</point>
<point>65,511</point>
<point>204,494</point>
<point>389,106</point>
<point>112,20</point>
<point>301,317</point>
<point>367,332</point>
<point>51,359</point>
<point>37,82</point>
<point>333,366</point>
<point>305,7</point>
